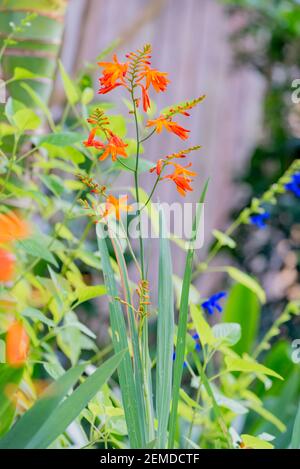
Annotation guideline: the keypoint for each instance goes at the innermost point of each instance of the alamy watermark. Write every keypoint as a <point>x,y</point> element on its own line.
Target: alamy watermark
<point>296,351</point>
<point>178,219</point>
<point>296,92</point>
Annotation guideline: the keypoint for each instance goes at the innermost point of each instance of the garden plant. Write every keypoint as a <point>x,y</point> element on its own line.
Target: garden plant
<point>178,369</point>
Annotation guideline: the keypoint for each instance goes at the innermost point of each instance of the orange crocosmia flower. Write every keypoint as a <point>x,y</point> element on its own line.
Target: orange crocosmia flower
<point>112,72</point>
<point>91,142</point>
<point>12,228</point>
<point>158,167</point>
<point>181,179</point>
<point>117,205</point>
<point>7,264</point>
<point>114,147</point>
<point>146,99</point>
<point>171,126</point>
<point>155,78</point>
<point>183,170</point>
<point>17,344</point>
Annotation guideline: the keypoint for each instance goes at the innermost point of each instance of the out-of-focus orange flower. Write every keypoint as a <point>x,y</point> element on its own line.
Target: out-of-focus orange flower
<point>171,126</point>
<point>155,78</point>
<point>7,264</point>
<point>17,344</point>
<point>181,178</point>
<point>158,167</point>
<point>91,142</point>
<point>146,99</point>
<point>12,227</point>
<point>114,147</point>
<point>112,72</point>
<point>117,205</point>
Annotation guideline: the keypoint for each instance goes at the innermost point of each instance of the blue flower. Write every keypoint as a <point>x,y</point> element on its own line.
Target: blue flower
<point>294,184</point>
<point>260,219</point>
<point>196,339</point>
<point>213,303</point>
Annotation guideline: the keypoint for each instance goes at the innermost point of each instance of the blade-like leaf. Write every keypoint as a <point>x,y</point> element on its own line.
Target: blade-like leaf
<point>32,421</point>
<point>73,405</point>
<point>9,380</point>
<point>138,371</point>
<point>182,325</point>
<point>295,443</point>
<point>165,336</point>
<point>120,342</point>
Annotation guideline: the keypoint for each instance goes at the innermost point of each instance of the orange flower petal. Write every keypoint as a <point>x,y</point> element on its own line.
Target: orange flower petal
<point>7,264</point>
<point>17,344</point>
<point>12,228</point>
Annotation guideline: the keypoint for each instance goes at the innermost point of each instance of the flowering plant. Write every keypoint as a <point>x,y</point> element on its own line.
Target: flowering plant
<point>200,377</point>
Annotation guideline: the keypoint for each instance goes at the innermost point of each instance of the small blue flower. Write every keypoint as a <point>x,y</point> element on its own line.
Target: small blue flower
<point>213,303</point>
<point>294,184</point>
<point>196,339</point>
<point>260,219</point>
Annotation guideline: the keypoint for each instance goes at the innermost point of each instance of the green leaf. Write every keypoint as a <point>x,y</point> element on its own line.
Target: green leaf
<point>36,316</point>
<point>255,442</point>
<point>248,365</point>
<point>36,248</point>
<point>119,338</point>
<point>202,327</point>
<point>52,423</point>
<point>182,325</point>
<point>227,333</point>
<point>295,442</point>
<point>86,293</point>
<point>26,119</point>
<point>12,106</point>
<point>247,281</point>
<point>242,306</point>
<point>71,90</point>
<point>165,335</point>
<point>39,103</point>
<point>53,183</point>
<point>267,415</point>
<point>223,239</point>
<point>137,360</point>
<point>60,139</point>
<point>21,73</point>
<point>9,380</point>
<point>87,96</point>
<point>23,432</point>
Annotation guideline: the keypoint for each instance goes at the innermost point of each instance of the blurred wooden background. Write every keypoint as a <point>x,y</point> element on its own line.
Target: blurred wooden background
<point>190,41</point>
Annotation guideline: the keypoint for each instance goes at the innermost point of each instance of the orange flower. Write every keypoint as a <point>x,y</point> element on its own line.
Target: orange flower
<point>146,99</point>
<point>112,72</point>
<point>169,125</point>
<point>117,205</point>
<point>181,179</point>
<point>7,263</point>
<point>158,167</point>
<point>114,147</point>
<point>91,142</point>
<point>17,344</point>
<point>155,78</point>
<point>12,228</point>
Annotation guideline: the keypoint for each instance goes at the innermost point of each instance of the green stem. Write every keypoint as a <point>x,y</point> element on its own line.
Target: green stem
<point>11,163</point>
<point>148,136</point>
